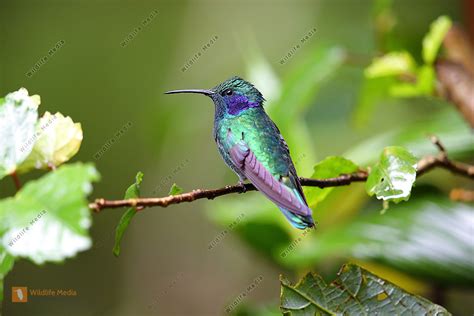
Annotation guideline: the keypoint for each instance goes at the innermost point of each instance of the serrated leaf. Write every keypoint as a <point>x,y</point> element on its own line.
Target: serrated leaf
<point>49,218</point>
<point>6,264</point>
<point>433,39</point>
<point>18,116</point>
<point>175,189</point>
<point>330,167</point>
<point>391,64</point>
<point>132,192</point>
<point>430,237</point>
<point>392,178</point>
<point>355,291</point>
<point>58,139</point>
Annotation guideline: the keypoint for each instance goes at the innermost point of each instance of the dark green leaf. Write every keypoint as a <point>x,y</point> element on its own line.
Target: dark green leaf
<point>429,237</point>
<point>263,227</point>
<point>266,238</point>
<point>49,218</point>
<point>354,292</point>
<point>328,168</point>
<point>132,192</point>
<point>175,189</point>
<point>393,176</point>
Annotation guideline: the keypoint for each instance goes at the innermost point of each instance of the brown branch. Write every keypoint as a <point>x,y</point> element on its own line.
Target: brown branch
<point>456,84</point>
<point>455,74</point>
<point>16,180</point>
<point>424,165</point>
<point>463,195</point>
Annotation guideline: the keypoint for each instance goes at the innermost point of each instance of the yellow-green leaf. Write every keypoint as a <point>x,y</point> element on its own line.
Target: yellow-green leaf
<point>328,168</point>
<point>175,189</point>
<point>58,139</point>
<point>391,64</point>
<point>432,41</point>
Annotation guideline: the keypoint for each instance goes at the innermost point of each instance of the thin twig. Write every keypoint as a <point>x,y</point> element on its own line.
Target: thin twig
<point>424,165</point>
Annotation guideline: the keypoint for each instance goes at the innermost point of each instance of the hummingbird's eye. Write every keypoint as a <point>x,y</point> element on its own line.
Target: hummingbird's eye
<point>228,92</point>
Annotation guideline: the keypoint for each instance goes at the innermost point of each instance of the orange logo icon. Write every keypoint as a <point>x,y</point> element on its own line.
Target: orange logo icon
<point>19,294</point>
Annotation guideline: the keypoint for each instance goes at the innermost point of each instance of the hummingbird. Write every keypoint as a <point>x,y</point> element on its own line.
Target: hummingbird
<point>252,146</point>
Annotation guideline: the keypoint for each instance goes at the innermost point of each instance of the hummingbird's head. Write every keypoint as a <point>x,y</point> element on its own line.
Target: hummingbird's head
<point>232,96</point>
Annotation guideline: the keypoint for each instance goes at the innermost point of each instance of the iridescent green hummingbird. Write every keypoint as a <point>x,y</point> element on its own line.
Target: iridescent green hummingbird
<point>252,146</point>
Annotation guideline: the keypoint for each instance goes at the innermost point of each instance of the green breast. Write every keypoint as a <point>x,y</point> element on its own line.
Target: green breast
<point>260,135</point>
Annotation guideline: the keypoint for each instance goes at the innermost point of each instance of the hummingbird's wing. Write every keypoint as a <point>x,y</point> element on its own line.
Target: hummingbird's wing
<point>293,176</point>
<point>284,191</point>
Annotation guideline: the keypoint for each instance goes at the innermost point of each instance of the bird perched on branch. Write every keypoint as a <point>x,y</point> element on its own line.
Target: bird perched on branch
<point>253,147</point>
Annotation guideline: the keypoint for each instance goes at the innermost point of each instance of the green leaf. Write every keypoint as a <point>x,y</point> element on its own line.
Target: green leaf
<point>373,91</point>
<point>429,237</point>
<point>58,139</point>
<point>298,93</point>
<point>393,176</point>
<point>6,264</point>
<point>121,227</point>
<point>391,64</point>
<point>447,124</point>
<point>175,189</point>
<point>354,292</point>
<point>432,41</point>
<point>132,192</point>
<point>18,116</point>
<point>328,168</point>
<point>49,218</point>
<point>425,84</point>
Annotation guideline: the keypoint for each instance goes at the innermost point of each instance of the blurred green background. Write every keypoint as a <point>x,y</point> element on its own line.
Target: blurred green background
<point>165,267</point>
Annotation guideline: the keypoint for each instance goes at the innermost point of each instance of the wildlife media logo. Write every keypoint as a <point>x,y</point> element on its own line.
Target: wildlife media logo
<point>20,293</point>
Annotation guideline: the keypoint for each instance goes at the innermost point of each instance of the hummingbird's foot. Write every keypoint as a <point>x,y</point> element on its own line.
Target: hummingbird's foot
<point>242,185</point>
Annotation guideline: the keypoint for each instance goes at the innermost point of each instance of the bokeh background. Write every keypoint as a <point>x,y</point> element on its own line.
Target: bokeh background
<point>166,266</point>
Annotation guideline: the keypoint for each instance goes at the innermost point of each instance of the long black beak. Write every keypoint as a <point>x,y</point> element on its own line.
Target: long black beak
<point>200,91</point>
